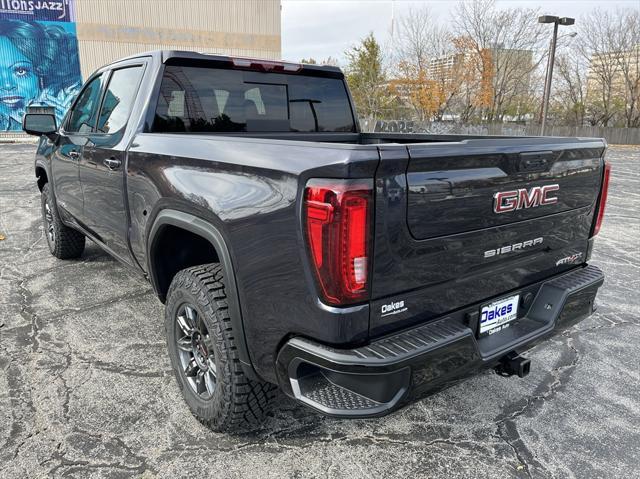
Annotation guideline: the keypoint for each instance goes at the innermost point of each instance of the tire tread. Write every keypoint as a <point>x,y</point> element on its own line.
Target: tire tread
<point>246,400</point>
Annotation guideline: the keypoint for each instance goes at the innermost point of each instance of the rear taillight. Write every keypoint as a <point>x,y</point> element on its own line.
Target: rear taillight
<point>337,217</point>
<point>603,198</point>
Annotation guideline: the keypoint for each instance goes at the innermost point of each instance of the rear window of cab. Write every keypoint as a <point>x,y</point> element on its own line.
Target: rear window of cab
<point>204,99</point>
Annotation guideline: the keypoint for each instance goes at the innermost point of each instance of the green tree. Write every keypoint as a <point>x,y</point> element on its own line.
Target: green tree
<point>367,78</point>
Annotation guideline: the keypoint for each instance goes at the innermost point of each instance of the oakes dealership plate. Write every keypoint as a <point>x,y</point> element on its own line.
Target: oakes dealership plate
<point>496,315</point>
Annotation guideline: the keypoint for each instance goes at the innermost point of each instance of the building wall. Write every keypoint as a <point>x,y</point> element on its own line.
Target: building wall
<point>111,29</point>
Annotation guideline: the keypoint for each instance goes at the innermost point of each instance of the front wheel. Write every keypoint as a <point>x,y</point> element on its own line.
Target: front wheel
<point>204,353</point>
<point>64,242</point>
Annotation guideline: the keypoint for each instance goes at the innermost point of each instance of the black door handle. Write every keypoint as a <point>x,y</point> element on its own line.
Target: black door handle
<point>112,163</point>
<point>74,155</point>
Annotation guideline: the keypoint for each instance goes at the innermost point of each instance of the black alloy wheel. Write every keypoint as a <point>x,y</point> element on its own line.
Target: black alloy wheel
<point>196,351</point>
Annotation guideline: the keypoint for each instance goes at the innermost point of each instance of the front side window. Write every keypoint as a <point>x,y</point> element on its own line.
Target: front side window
<point>203,99</point>
<point>118,99</point>
<point>83,115</point>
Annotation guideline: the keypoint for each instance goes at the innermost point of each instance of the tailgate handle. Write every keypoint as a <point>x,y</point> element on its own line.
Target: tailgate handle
<point>535,160</point>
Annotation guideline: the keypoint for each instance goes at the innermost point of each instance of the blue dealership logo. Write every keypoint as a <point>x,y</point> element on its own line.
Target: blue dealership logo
<point>495,313</point>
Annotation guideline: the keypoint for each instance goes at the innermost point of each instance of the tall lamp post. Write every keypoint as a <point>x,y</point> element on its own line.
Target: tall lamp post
<point>565,21</point>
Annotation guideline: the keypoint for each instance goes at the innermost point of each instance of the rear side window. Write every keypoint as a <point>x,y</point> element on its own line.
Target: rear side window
<point>118,99</point>
<point>201,99</point>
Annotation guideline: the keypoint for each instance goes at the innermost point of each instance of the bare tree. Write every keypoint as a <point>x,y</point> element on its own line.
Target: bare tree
<point>420,38</point>
<point>627,46</point>
<point>510,39</point>
<point>569,100</point>
<point>611,44</point>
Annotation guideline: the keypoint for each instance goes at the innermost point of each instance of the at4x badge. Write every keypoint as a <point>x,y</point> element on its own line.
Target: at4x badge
<point>569,259</point>
<point>505,201</point>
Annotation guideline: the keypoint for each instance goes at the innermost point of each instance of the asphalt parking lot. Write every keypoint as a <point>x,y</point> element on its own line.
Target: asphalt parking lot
<point>86,388</point>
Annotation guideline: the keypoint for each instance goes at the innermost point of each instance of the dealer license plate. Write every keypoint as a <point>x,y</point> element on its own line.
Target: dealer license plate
<point>497,315</point>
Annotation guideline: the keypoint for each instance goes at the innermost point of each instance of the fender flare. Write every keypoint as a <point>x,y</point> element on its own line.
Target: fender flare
<point>193,224</point>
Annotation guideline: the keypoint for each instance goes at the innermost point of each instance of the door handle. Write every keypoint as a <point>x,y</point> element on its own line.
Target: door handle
<point>112,163</point>
<point>74,155</point>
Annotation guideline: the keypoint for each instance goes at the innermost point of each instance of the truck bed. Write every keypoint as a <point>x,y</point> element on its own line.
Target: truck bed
<point>434,218</point>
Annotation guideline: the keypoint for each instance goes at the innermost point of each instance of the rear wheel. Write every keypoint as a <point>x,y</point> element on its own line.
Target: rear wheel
<point>64,242</point>
<point>204,354</point>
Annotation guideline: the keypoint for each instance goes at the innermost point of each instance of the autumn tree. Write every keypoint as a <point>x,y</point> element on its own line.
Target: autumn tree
<point>425,96</point>
<point>367,78</point>
<point>426,75</point>
<point>475,76</point>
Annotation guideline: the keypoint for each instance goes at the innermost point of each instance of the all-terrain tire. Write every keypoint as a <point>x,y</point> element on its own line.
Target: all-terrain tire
<point>64,242</point>
<point>237,403</point>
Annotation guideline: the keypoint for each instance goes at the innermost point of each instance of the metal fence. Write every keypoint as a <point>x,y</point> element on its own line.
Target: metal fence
<point>614,136</point>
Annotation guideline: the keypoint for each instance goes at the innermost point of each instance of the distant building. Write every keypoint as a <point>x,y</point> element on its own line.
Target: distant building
<point>606,69</point>
<point>442,68</point>
<point>111,29</point>
<point>517,64</point>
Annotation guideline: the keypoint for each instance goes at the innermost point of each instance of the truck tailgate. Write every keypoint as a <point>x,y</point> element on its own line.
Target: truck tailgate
<point>457,223</point>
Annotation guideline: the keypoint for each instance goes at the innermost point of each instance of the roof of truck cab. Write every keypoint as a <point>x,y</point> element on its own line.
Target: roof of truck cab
<point>165,55</point>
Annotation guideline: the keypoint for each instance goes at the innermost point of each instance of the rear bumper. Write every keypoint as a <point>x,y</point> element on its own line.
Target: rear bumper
<point>376,379</point>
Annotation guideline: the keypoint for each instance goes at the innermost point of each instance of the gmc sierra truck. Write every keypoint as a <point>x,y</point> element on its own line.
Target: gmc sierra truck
<point>357,272</point>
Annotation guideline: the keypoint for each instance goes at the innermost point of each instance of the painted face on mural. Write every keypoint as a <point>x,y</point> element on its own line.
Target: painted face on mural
<point>39,66</point>
<point>19,84</point>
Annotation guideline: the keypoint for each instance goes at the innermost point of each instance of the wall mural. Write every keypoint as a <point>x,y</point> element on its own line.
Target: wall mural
<point>39,59</point>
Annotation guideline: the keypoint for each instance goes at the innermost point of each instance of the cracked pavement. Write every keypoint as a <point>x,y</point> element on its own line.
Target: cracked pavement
<point>86,388</point>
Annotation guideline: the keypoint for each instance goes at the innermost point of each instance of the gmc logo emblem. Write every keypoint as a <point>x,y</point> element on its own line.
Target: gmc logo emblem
<point>506,201</point>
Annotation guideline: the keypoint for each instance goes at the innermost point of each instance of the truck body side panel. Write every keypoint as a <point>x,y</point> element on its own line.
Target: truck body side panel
<point>255,204</point>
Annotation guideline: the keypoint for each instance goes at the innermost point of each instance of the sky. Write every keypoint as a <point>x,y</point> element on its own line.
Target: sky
<point>324,28</point>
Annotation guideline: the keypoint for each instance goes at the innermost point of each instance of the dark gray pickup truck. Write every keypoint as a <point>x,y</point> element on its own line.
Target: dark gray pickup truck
<point>356,272</point>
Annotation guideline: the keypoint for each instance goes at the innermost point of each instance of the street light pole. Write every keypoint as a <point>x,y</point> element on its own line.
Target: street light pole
<point>552,55</point>
<point>547,81</point>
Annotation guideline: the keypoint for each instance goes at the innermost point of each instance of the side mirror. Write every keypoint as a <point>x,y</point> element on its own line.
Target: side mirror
<point>40,124</point>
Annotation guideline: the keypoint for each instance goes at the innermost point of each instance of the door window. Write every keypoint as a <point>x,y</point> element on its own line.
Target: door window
<point>118,99</point>
<point>83,115</point>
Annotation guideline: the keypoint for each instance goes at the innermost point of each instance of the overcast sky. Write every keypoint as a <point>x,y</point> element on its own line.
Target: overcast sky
<point>323,28</point>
